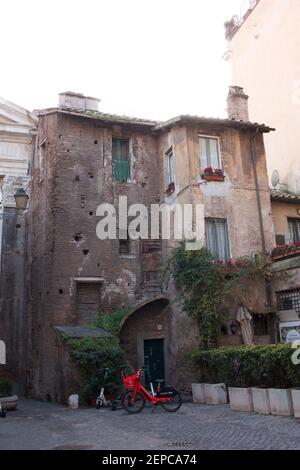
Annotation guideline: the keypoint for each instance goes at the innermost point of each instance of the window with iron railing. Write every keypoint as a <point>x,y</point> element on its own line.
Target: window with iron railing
<point>289,300</point>
<point>120,160</point>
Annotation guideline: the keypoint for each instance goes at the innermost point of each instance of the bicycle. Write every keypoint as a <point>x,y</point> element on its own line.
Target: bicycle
<point>101,400</point>
<point>135,396</point>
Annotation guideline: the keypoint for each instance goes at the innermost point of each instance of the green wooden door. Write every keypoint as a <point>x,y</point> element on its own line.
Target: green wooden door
<point>154,357</point>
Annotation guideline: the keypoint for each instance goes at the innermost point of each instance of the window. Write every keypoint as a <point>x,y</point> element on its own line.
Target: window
<point>124,247</point>
<point>217,238</point>
<point>124,242</point>
<point>88,305</point>
<point>294,229</point>
<point>209,152</point>
<point>260,324</point>
<point>280,240</point>
<point>151,277</point>
<point>42,158</point>
<point>289,300</point>
<point>120,159</point>
<point>170,165</point>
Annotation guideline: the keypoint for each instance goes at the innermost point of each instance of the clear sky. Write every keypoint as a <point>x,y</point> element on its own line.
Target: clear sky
<point>152,59</point>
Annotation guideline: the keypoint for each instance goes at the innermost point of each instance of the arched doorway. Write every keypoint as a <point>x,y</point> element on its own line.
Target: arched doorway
<point>147,332</point>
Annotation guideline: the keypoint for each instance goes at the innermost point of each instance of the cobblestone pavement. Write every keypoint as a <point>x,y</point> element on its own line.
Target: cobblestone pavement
<point>38,425</point>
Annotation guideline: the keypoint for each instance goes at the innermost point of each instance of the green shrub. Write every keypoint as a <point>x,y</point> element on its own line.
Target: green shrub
<point>92,356</point>
<point>5,387</point>
<point>111,321</point>
<point>249,366</point>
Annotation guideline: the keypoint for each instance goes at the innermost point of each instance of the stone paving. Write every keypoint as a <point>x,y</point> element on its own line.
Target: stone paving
<point>38,425</point>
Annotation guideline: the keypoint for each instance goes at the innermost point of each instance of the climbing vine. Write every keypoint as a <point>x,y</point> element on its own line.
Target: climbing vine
<point>93,355</point>
<point>204,285</point>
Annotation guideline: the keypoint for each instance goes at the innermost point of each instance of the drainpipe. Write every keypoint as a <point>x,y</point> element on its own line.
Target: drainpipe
<point>253,160</point>
<point>260,217</point>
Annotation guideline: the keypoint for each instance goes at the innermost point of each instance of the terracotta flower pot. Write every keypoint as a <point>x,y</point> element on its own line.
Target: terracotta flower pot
<point>170,189</point>
<point>213,177</point>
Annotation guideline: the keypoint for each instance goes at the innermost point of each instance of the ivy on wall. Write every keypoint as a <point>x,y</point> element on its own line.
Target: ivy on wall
<point>204,285</point>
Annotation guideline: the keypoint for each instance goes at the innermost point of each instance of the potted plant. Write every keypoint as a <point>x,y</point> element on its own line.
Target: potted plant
<point>289,249</point>
<point>241,398</point>
<point>261,401</point>
<point>215,394</point>
<point>198,391</point>
<point>213,174</point>
<point>296,402</point>
<point>8,401</point>
<point>281,402</point>
<point>240,393</point>
<point>170,189</point>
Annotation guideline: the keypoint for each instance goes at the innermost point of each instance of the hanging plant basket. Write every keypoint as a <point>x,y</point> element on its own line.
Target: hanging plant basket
<point>170,189</point>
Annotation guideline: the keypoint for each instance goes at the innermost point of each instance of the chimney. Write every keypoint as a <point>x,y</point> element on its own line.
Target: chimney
<point>78,102</point>
<point>237,104</point>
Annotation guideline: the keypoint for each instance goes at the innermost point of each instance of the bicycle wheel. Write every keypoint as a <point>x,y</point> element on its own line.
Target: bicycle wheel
<point>131,406</point>
<point>174,404</point>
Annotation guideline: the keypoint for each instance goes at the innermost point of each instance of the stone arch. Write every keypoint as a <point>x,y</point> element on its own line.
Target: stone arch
<point>136,308</point>
<point>149,320</point>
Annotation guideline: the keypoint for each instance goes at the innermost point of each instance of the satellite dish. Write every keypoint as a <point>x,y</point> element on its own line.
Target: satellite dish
<point>275,178</point>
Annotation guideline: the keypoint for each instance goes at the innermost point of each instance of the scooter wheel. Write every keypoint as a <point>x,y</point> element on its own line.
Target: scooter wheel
<point>113,407</point>
<point>98,404</point>
<point>3,413</point>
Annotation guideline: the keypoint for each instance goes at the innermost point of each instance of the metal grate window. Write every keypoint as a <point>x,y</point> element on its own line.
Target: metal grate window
<point>289,300</point>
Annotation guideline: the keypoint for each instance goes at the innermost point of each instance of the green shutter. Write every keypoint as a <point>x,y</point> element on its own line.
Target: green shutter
<point>121,168</point>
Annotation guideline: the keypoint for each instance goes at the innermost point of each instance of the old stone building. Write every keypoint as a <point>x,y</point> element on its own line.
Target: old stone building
<point>286,259</point>
<point>85,158</point>
<point>17,137</point>
<point>237,207</point>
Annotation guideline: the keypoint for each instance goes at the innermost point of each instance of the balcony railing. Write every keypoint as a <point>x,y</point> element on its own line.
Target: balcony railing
<point>121,170</point>
<point>286,251</point>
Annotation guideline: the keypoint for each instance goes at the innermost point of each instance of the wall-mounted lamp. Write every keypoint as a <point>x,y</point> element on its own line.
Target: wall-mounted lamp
<point>233,328</point>
<point>21,198</point>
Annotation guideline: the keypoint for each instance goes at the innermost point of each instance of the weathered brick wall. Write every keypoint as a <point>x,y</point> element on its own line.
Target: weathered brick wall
<point>12,294</point>
<point>63,243</point>
<point>74,179</point>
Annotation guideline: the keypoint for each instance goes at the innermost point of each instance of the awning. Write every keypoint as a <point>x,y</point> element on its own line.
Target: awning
<point>82,332</point>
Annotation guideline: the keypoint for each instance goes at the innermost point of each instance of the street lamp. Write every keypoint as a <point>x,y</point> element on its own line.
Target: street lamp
<point>21,199</point>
